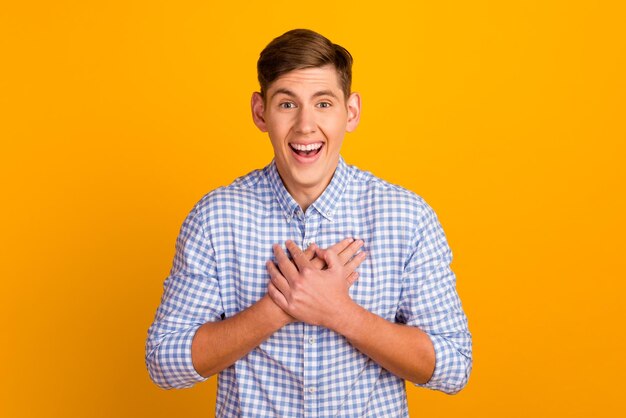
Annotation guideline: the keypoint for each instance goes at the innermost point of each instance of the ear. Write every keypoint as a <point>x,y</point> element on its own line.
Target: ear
<point>258,111</point>
<point>354,111</point>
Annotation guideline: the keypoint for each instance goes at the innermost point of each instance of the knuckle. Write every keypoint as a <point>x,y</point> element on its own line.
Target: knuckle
<point>272,290</point>
<point>295,283</point>
<point>296,301</point>
<point>306,271</point>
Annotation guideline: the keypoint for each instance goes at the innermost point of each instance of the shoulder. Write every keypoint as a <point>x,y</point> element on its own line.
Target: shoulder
<point>244,194</point>
<point>392,197</point>
<point>391,205</point>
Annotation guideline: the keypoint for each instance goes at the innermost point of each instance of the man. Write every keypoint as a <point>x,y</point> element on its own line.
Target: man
<point>362,296</point>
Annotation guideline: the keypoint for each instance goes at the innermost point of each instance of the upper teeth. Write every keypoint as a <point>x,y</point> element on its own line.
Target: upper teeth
<point>309,147</point>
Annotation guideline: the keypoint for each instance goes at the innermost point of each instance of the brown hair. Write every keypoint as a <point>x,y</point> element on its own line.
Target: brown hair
<point>299,49</point>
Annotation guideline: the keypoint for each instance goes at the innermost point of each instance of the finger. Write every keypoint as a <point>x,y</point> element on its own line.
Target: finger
<point>297,255</point>
<point>318,262</point>
<point>278,298</point>
<point>347,247</point>
<point>331,258</point>
<point>309,253</point>
<point>285,265</point>
<point>356,261</point>
<point>350,250</point>
<point>353,277</point>
<point>278,279</point>
<point>341,245</point>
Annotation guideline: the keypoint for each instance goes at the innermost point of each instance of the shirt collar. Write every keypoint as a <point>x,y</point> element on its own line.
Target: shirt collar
<point>325,204</point>
<point>285,200</point>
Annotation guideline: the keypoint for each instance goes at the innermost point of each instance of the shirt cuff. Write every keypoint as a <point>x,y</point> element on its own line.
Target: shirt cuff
<point>172,367</point>
<point>451,367</point>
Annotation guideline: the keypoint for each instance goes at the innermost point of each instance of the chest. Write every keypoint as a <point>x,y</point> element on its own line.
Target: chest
<point>244,244</point>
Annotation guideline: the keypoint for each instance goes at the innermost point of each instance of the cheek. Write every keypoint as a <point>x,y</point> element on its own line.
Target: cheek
<point>335,131</point>
<point>277,146</point>
<point>278,129</point>
<point>335,124</point>
<point>275,132</point>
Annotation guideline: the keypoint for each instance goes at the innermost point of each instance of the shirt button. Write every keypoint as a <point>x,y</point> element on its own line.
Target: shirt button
<point>311,340</point>
<point>311,390</point>
<point>307,244</point>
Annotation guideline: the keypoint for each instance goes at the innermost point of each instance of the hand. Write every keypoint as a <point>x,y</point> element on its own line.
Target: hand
<point>305,292</point>
<point>346,248</point>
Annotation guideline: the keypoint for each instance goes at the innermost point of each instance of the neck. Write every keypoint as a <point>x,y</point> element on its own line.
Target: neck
<point>305,195</point>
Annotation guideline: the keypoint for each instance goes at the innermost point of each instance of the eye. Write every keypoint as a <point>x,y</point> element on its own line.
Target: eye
<point>287,105</point>
<point>324,105</point>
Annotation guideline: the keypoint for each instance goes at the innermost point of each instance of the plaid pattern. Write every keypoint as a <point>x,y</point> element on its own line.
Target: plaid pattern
<point>304,370</point>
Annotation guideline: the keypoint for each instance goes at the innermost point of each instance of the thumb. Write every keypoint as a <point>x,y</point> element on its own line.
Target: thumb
<point>332,259</point>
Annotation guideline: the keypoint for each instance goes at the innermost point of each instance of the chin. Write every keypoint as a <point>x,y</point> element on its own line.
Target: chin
<point>308,181</point>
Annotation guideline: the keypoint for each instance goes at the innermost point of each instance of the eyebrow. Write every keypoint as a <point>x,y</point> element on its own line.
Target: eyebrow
<point>292,94</point>
<point>325,93</point>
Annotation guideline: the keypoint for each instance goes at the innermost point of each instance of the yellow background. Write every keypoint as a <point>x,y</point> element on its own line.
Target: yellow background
<point>508,117</point>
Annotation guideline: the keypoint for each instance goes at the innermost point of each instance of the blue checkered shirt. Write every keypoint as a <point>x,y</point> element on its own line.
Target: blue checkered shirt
<point>304,370</point>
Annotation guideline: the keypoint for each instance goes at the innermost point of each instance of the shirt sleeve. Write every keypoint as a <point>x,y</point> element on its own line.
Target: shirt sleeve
<point>191,298</point>
<point>430,302</point>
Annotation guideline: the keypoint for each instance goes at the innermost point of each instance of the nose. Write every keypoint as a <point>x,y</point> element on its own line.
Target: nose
<point>305,122</point>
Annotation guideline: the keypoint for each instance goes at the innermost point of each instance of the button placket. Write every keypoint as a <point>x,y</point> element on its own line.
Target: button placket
<point>307,239</point>
<point>310,371</point>
<point>311,224</point>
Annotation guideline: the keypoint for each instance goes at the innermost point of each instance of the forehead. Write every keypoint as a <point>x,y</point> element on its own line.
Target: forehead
<point>308,81</point>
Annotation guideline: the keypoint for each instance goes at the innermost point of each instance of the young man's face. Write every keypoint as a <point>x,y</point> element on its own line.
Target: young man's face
<point>306,116</point>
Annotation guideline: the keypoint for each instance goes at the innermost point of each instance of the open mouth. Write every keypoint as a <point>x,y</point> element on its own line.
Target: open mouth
<point>309,150</point>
